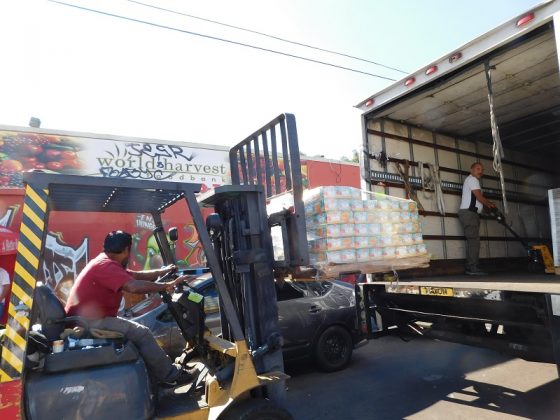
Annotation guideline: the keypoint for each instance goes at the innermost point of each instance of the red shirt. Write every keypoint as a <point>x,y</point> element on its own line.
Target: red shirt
<point>97,292</point>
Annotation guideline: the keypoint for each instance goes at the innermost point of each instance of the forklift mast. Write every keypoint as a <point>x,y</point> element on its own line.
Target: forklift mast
<point>265,164</point>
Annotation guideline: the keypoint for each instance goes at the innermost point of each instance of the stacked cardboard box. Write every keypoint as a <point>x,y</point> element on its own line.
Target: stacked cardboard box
<point>344,228</point>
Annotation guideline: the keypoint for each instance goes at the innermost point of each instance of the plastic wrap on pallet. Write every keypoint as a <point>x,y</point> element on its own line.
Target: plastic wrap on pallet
<point>280,202</point>
<point>348,233</point>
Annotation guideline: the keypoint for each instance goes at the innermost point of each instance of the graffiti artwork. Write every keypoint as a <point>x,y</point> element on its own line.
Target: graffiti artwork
<point>187,250</point>
<point>8,217</point>
<point>62,263</point>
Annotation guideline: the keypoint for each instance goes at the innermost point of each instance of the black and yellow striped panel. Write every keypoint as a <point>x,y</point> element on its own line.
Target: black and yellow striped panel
<point>25,273</point>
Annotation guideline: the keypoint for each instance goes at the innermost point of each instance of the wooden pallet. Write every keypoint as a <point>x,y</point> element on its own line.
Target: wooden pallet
<point>373,266</point>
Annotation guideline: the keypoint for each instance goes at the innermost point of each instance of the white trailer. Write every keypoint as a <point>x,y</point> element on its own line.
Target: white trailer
<point>500,89</point>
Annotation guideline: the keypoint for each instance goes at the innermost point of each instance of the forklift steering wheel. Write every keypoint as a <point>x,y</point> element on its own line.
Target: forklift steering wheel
<point>165,277</point>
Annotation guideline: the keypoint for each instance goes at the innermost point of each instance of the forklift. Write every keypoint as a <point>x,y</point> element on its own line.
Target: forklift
<point>241,373</point>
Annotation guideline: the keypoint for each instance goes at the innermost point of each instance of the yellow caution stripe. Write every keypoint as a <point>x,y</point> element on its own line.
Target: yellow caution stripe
<point>23,286</point>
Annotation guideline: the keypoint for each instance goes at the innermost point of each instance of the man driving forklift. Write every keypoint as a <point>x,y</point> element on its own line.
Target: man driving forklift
<point>97,293</point>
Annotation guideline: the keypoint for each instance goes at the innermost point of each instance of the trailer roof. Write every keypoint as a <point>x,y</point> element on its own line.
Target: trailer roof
<point>525,84</point>
<point>91,194</point>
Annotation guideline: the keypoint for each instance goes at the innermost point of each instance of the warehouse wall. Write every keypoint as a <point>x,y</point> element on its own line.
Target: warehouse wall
<point>528,177</point>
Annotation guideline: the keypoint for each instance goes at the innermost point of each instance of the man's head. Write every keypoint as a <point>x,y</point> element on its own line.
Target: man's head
<point>477,170</point>
<point>117,246</point>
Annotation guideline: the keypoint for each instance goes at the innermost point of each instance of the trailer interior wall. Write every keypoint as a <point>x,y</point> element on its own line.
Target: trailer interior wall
<point>447,123</point>
<point>528,177</point>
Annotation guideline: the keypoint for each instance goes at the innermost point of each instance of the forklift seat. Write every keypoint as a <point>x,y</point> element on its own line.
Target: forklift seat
<point>49,312</point>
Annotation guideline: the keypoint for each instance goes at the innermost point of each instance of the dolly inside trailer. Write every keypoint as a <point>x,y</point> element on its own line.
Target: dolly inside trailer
<point>540,258</point>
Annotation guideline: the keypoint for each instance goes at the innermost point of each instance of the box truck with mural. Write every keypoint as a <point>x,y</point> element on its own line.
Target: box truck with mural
<point>106,156</point>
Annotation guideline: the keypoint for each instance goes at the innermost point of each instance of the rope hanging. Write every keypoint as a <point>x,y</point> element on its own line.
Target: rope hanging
<point>497,150</point>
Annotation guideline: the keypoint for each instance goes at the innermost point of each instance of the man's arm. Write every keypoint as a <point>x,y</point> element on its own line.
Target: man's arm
<point>482,199</point>
<point>143,287</point>
<point>152,275</point>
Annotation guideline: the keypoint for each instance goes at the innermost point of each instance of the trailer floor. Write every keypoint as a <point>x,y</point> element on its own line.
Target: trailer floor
<point>517,281</point>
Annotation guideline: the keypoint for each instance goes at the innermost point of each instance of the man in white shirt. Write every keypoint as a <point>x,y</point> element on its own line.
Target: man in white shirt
<point>472,203</point>
<point>4,289</point>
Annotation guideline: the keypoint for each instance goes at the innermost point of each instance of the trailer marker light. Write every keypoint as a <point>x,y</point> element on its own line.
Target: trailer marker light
<point>525,19</point>
<point>409,81</point>
<point>455,57</point>
<point>369,102</point>
<point>431,70</point>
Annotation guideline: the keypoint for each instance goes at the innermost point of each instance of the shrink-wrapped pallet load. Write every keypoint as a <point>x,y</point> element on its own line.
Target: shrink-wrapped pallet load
<point>367,235</point>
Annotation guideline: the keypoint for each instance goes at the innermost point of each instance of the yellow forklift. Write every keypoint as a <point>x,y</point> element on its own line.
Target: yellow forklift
<point>241,373</point>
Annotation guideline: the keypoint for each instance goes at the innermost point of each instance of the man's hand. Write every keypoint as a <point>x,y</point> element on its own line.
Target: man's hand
<point>170,286</point>
<point>490,204</point>
<point>169,268</point>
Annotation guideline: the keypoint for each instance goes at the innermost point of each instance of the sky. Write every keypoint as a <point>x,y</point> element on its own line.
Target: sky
<point>83,71</point>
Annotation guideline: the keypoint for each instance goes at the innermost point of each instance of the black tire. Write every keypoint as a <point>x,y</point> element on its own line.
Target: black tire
<point>333,349</point>
<point>255,409</point>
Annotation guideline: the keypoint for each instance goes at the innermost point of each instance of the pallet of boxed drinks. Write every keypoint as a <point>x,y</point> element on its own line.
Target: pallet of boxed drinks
<point>350,230</point>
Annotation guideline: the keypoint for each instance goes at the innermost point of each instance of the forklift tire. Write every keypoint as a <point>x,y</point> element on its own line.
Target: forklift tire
<point>333,349</point>
<point>255,409</point>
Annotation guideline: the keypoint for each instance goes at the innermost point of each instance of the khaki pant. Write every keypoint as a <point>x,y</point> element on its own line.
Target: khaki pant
<point>471,226</point>
<point>158,362</point>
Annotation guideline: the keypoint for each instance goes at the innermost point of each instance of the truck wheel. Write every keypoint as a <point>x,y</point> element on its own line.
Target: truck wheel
<point>333,349</point>
<point>255,409</point>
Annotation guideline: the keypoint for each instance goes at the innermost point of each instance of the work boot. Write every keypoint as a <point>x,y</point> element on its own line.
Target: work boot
<point>180,378</point>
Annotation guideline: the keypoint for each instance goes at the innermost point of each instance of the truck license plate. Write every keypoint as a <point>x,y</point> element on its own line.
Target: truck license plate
<point>436,291</point>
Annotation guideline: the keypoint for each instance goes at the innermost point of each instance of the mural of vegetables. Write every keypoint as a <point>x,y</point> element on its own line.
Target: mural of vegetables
<point>27,151</point>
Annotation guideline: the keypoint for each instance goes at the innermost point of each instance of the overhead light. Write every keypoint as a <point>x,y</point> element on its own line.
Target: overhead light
<point>409,81</point>
<point>369,102</point>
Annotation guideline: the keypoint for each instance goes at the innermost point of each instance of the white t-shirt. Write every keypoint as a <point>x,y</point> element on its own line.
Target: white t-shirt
<point>4,281</point>
<point>471,183</point>
<point>4,277</point>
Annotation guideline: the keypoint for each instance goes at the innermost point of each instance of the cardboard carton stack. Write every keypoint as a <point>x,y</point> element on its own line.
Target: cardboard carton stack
<point>362,235</point>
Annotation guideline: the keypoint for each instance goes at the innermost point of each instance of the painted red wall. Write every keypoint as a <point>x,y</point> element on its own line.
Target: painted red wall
<point>321,173</point>
<point>75,232</point>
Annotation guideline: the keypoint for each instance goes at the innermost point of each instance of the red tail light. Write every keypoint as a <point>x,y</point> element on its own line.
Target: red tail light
<point>431,70</point>
<point>455,57</point>
<point>525,19</point>
<point>409,81</point>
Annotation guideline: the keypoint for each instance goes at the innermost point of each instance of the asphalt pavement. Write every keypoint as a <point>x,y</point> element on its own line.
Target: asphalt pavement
<point>425,379</point>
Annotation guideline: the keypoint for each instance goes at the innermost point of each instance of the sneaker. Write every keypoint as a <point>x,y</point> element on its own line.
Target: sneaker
<point>181,378</point>
<point>475,273</point>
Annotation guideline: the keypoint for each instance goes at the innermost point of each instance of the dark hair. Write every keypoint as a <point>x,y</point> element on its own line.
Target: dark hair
<point>117,241</point>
